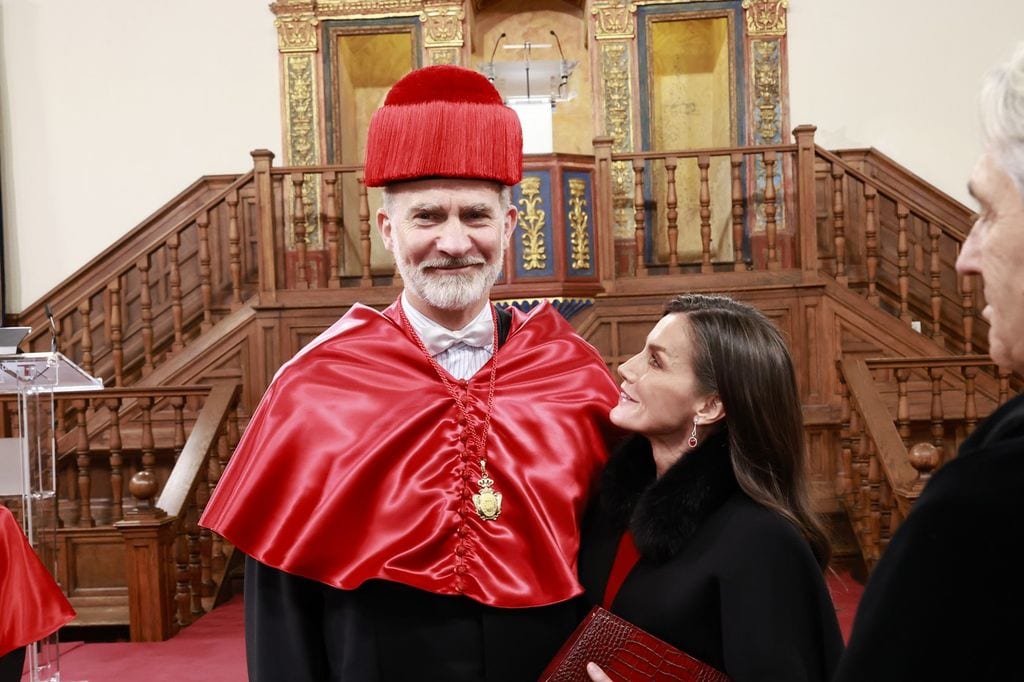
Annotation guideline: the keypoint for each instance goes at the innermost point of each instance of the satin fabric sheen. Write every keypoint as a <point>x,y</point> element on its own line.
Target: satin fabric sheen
<point>352,467</point>
<point>31,603</point>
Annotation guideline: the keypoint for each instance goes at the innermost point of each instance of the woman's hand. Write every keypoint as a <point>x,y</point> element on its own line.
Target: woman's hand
<point>596,674</point>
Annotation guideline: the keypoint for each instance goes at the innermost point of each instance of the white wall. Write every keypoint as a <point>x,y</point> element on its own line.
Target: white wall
<point>108,108</point>
<point>902,76</point>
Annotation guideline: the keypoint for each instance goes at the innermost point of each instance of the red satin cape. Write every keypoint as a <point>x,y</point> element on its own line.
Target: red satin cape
<point>352,467</point>
<point>31,604</point>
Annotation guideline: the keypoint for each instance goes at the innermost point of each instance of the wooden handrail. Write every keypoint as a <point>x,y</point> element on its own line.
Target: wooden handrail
<point>884,187</point>
<point>932,361</point>
<point>706,151</point>
<point>184,477</point>
<point>879,424</point>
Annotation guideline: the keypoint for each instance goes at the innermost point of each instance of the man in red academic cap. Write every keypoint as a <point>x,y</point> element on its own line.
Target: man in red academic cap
<point>409,490</point>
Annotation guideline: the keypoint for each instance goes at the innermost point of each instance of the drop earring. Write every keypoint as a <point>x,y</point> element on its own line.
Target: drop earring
<point>692,441</point>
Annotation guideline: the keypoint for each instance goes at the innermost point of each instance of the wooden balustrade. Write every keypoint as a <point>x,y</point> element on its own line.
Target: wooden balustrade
<point>301,229</point>
<point>887,455</point>
<point>751,210</point>
<point>897,254</point>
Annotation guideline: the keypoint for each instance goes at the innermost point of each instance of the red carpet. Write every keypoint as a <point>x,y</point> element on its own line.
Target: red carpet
<point>213,648</point>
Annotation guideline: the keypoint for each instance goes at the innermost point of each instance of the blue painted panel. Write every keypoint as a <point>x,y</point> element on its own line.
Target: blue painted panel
<point>543,209</point>
<point>588,212</point>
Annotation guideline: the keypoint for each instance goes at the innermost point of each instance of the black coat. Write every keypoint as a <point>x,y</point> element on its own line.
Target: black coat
<point>945,601</point>
<point>721,577</point>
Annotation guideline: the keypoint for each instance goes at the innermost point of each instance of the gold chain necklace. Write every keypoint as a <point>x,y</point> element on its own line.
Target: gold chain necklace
<point>487,501</point>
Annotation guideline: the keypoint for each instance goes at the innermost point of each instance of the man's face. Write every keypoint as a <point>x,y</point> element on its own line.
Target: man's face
<point>448,237</point>
<point>995,250</point>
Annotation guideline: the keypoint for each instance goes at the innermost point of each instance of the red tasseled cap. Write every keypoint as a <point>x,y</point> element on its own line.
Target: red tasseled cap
<point>444,122</point>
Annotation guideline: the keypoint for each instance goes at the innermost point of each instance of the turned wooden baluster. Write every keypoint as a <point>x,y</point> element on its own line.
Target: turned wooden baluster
<point>967,302</point>
<point>174,281</point>
<point>203,489</point>
<point>703,163</point>
<point>84,309</point>
<point>146,306</point>
<point>182,577</point>
<point>925,459</point>
<point>1004,384</point>
<point>672,215</point>
<point>84,463</point>
<point>116,350</point>
<point>115,443</point>
<point>364,236</point>
<point>970,400</point>
<point>234,250</point>
<point>938,418</point>
<point>770,210</point>
<point>737,213</point>
<point>334,256</point>
<point>299,232</point>
<point>195,568</point>
<point>144,484</point>
<point>886,506</point>
<point>838,223</point>
<point>334,244</point>
<point>871,241</point>
<point>205,288</point>
<point>873,502</point>
<point>935,280</point>
<point>903,262</point>
<point>903,404</point>
<point>639,231</point>
<point>217,557</point>
<point>845,441</point>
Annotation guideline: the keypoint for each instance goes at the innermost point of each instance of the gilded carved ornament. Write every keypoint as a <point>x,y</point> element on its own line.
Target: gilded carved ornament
<point>767,76</point>
<point>302,149</point>
<point>532,221</point>
<point>443,26</point>
<point>613,20</point>
<point>766,17</point>
<point>297,33</point>
<point>443,56</point>
<point>578,218</point>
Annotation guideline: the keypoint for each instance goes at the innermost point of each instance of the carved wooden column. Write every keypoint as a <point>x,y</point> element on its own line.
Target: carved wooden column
<point>613,29</point>
<point>767,97</point>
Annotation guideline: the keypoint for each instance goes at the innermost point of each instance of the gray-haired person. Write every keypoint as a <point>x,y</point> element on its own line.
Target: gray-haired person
<point>946,600</point>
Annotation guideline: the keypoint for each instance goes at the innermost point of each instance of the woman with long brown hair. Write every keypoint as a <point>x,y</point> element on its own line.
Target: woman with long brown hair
<point>703,533</point>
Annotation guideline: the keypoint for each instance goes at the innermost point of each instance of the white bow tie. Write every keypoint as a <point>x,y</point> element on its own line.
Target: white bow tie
<point>478,333</point>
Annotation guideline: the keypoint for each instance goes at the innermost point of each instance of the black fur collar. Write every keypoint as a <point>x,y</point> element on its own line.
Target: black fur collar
<point>665,513</point>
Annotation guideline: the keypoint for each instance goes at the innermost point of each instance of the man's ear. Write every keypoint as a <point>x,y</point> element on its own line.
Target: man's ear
<point>511,218</point>
<point>711,410</point>
<point>384,227</point>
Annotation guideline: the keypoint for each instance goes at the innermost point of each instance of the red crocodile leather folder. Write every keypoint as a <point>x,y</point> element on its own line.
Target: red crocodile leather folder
<point>624,652</point>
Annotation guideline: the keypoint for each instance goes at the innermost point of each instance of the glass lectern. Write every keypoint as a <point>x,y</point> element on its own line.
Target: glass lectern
<point>35,378</point>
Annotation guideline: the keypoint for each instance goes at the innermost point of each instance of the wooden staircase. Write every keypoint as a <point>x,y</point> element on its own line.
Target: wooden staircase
<point>189,316</point>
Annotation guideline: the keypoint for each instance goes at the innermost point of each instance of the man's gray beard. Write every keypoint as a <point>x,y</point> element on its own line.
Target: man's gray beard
<point>450,291</point>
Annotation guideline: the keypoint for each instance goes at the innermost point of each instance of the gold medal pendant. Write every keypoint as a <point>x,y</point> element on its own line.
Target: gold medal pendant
<point>487,501</point>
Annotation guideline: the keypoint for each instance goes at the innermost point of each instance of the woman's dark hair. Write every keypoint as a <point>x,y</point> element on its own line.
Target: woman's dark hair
<point>739,355</point>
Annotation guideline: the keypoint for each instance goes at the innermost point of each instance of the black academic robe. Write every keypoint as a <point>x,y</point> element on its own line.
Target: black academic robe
<point>946,599</point>
<point>720,577</point>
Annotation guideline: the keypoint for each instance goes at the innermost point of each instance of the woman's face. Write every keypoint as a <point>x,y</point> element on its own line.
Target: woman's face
<point>660,392</point>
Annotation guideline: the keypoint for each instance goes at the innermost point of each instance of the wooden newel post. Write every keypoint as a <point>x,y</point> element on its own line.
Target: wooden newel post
<point>807,229</point>
<point>604,230</point>
<point>266,239</point>
<point>149,564</point>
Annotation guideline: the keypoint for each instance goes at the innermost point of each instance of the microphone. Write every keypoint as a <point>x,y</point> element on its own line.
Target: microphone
<point>496,42</point>
<point>53,327</point>
<point>563,71</point>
